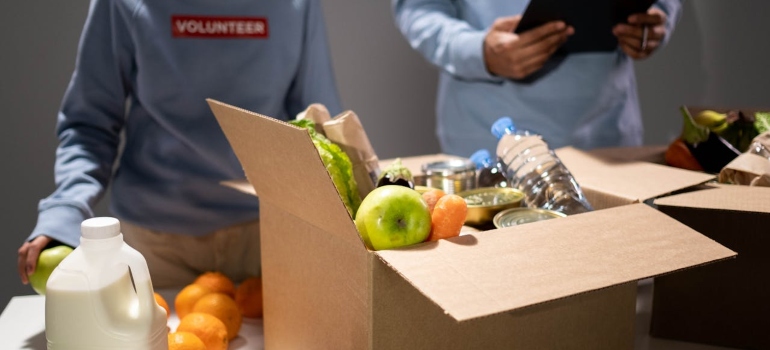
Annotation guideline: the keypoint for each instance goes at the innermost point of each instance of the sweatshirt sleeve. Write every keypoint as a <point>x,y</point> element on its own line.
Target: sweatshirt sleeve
<point>314,82</point>
<point>89,124</point>
<point>673,10</point>
<point>432,27</point>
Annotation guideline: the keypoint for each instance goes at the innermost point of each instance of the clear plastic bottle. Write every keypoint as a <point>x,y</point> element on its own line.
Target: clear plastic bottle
<point>101,296</point>
<point>488,172</point>
<point>533,168</point>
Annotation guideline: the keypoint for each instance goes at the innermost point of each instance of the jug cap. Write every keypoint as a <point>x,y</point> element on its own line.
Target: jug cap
<point>100,228</point>
<point>502,126</point>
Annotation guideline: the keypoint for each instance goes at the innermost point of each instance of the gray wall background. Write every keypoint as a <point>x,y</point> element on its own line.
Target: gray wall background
<point>718,56</point>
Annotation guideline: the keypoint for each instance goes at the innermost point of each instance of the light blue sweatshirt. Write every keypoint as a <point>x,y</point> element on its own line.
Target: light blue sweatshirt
<point>145,68</point>
<point>586,100</point>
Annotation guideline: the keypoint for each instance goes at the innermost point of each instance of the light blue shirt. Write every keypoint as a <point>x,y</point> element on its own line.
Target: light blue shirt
<point>586,100</point>
<point>134,75</point>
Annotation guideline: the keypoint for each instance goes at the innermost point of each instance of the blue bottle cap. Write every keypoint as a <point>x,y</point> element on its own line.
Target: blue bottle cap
<point>481,157</point>
<point>502,126</point>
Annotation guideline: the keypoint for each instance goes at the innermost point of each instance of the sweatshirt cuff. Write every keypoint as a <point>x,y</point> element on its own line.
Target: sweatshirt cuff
<point>467,55</point>
<point>672,17</point>
<point>61,223</point>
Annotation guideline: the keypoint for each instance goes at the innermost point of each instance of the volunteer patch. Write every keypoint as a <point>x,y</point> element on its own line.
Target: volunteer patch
<point>218,27</point>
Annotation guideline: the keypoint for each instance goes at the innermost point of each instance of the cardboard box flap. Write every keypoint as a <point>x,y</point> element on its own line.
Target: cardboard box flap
<point>635,180</point>
<point>726,197</point>
<point>284,167</point>
<point>502,270</point>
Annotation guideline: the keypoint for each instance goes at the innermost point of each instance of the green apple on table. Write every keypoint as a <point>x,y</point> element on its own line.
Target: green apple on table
<point>47,261</point>
<point>393,216</point>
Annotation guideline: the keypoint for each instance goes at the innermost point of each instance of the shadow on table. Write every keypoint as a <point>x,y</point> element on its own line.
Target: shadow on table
<point>36,342</point>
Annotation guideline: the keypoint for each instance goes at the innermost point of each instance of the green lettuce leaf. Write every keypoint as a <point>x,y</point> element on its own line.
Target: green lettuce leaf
<point>337,164</point>
<point>762,122</point>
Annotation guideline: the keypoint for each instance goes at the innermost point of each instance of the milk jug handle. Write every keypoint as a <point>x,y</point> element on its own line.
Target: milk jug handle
<point>142,283</point>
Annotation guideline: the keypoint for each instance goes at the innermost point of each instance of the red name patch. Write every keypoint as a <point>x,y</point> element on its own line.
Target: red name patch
<point>218,27</point>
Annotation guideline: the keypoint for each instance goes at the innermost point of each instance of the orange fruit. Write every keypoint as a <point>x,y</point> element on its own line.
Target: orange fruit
<point>162,302</point>
<point>185,341</point>
<point>448,217</point>
<point>248,296</point>
<point>187,297</point>
<point>207,327</point>
<point>431,196</point>
<point>224,308</point>
<point>217,282</point>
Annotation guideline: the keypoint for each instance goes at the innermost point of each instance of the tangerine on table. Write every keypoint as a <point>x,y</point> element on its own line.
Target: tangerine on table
<point>217,282</point>
<point>207,327</point>
<point>187,297</point>
<point>162,302</point>
<point>248,296</point>
<point>224,308</point>
<point>185,341</point>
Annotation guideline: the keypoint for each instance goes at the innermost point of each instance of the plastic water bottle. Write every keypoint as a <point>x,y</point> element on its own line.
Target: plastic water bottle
<point>488,173</point>
<point>101,297</point>
<point>533,168</point>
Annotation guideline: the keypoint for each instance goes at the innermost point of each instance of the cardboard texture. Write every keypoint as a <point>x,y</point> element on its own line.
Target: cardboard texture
<point>567,283</point>
<point>609,181</point>
<point>727,303</point>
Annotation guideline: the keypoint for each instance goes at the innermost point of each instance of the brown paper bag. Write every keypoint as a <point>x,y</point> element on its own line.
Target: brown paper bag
<point>751,168</point>
<point>346,131</point>
<point>318,113</point>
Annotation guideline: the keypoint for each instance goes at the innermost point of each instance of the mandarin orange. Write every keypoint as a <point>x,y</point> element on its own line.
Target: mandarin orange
<point>217,282</point>
<point>207,327</point>
<point>224,308</point>
<point>248,296</point>
<point>187,297</point>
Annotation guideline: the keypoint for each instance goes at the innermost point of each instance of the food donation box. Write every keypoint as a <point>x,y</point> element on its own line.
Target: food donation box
<point>568,283</point>
<point>724,304</point>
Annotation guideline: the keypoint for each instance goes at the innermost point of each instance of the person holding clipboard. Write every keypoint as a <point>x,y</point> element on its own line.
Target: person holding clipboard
<point>562,69</point>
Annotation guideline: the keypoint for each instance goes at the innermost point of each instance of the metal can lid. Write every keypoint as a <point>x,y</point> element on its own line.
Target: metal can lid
<point>492,196</point>
<point>449,167</point>
<point>520,216</point>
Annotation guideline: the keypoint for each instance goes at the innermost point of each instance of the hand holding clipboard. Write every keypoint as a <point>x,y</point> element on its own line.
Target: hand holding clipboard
<point>516,47</point>
<point>600,23</point>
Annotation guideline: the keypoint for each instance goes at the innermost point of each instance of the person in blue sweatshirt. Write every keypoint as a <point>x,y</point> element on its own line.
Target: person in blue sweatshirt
<point>586,99</point>
<point>134,118</point>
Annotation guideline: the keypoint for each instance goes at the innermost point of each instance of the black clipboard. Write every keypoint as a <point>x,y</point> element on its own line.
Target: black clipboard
<point>593,20</point>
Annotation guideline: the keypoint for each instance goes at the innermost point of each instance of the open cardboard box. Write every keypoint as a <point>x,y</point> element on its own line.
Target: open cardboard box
<point>728,303</point>
<point>613,177</point>
<point>568,283</point>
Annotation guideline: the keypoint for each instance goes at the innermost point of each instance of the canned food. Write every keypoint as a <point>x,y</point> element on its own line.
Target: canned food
<point>520,216</point>
<point>452,176</point>
<point>485,202</point>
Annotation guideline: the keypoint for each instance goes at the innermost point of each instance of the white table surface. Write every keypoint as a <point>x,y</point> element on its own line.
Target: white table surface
<point>22,325</point>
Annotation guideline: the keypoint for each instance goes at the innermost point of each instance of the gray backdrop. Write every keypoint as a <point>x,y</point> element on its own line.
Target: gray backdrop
<point>718,56</point>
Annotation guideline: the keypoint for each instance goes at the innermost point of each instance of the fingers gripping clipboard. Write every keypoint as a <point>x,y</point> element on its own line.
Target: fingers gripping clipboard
<point>593,20</point>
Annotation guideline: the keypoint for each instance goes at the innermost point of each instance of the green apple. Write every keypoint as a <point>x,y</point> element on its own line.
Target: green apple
<point>46,263</point>
<point>393,216</point>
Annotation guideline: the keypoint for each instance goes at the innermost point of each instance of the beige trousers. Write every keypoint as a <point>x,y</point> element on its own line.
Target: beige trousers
<point>175,260</point>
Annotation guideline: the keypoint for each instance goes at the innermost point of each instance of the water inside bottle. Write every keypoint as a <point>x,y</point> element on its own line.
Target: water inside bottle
<point>532,167</point>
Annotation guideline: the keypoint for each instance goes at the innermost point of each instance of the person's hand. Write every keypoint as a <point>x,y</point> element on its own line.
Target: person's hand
<point>28,253</point>
<point>516,56</point>
<point>643,34</point>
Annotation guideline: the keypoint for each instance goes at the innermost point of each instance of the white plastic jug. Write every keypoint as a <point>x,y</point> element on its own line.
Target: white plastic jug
<point>91,302</point>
